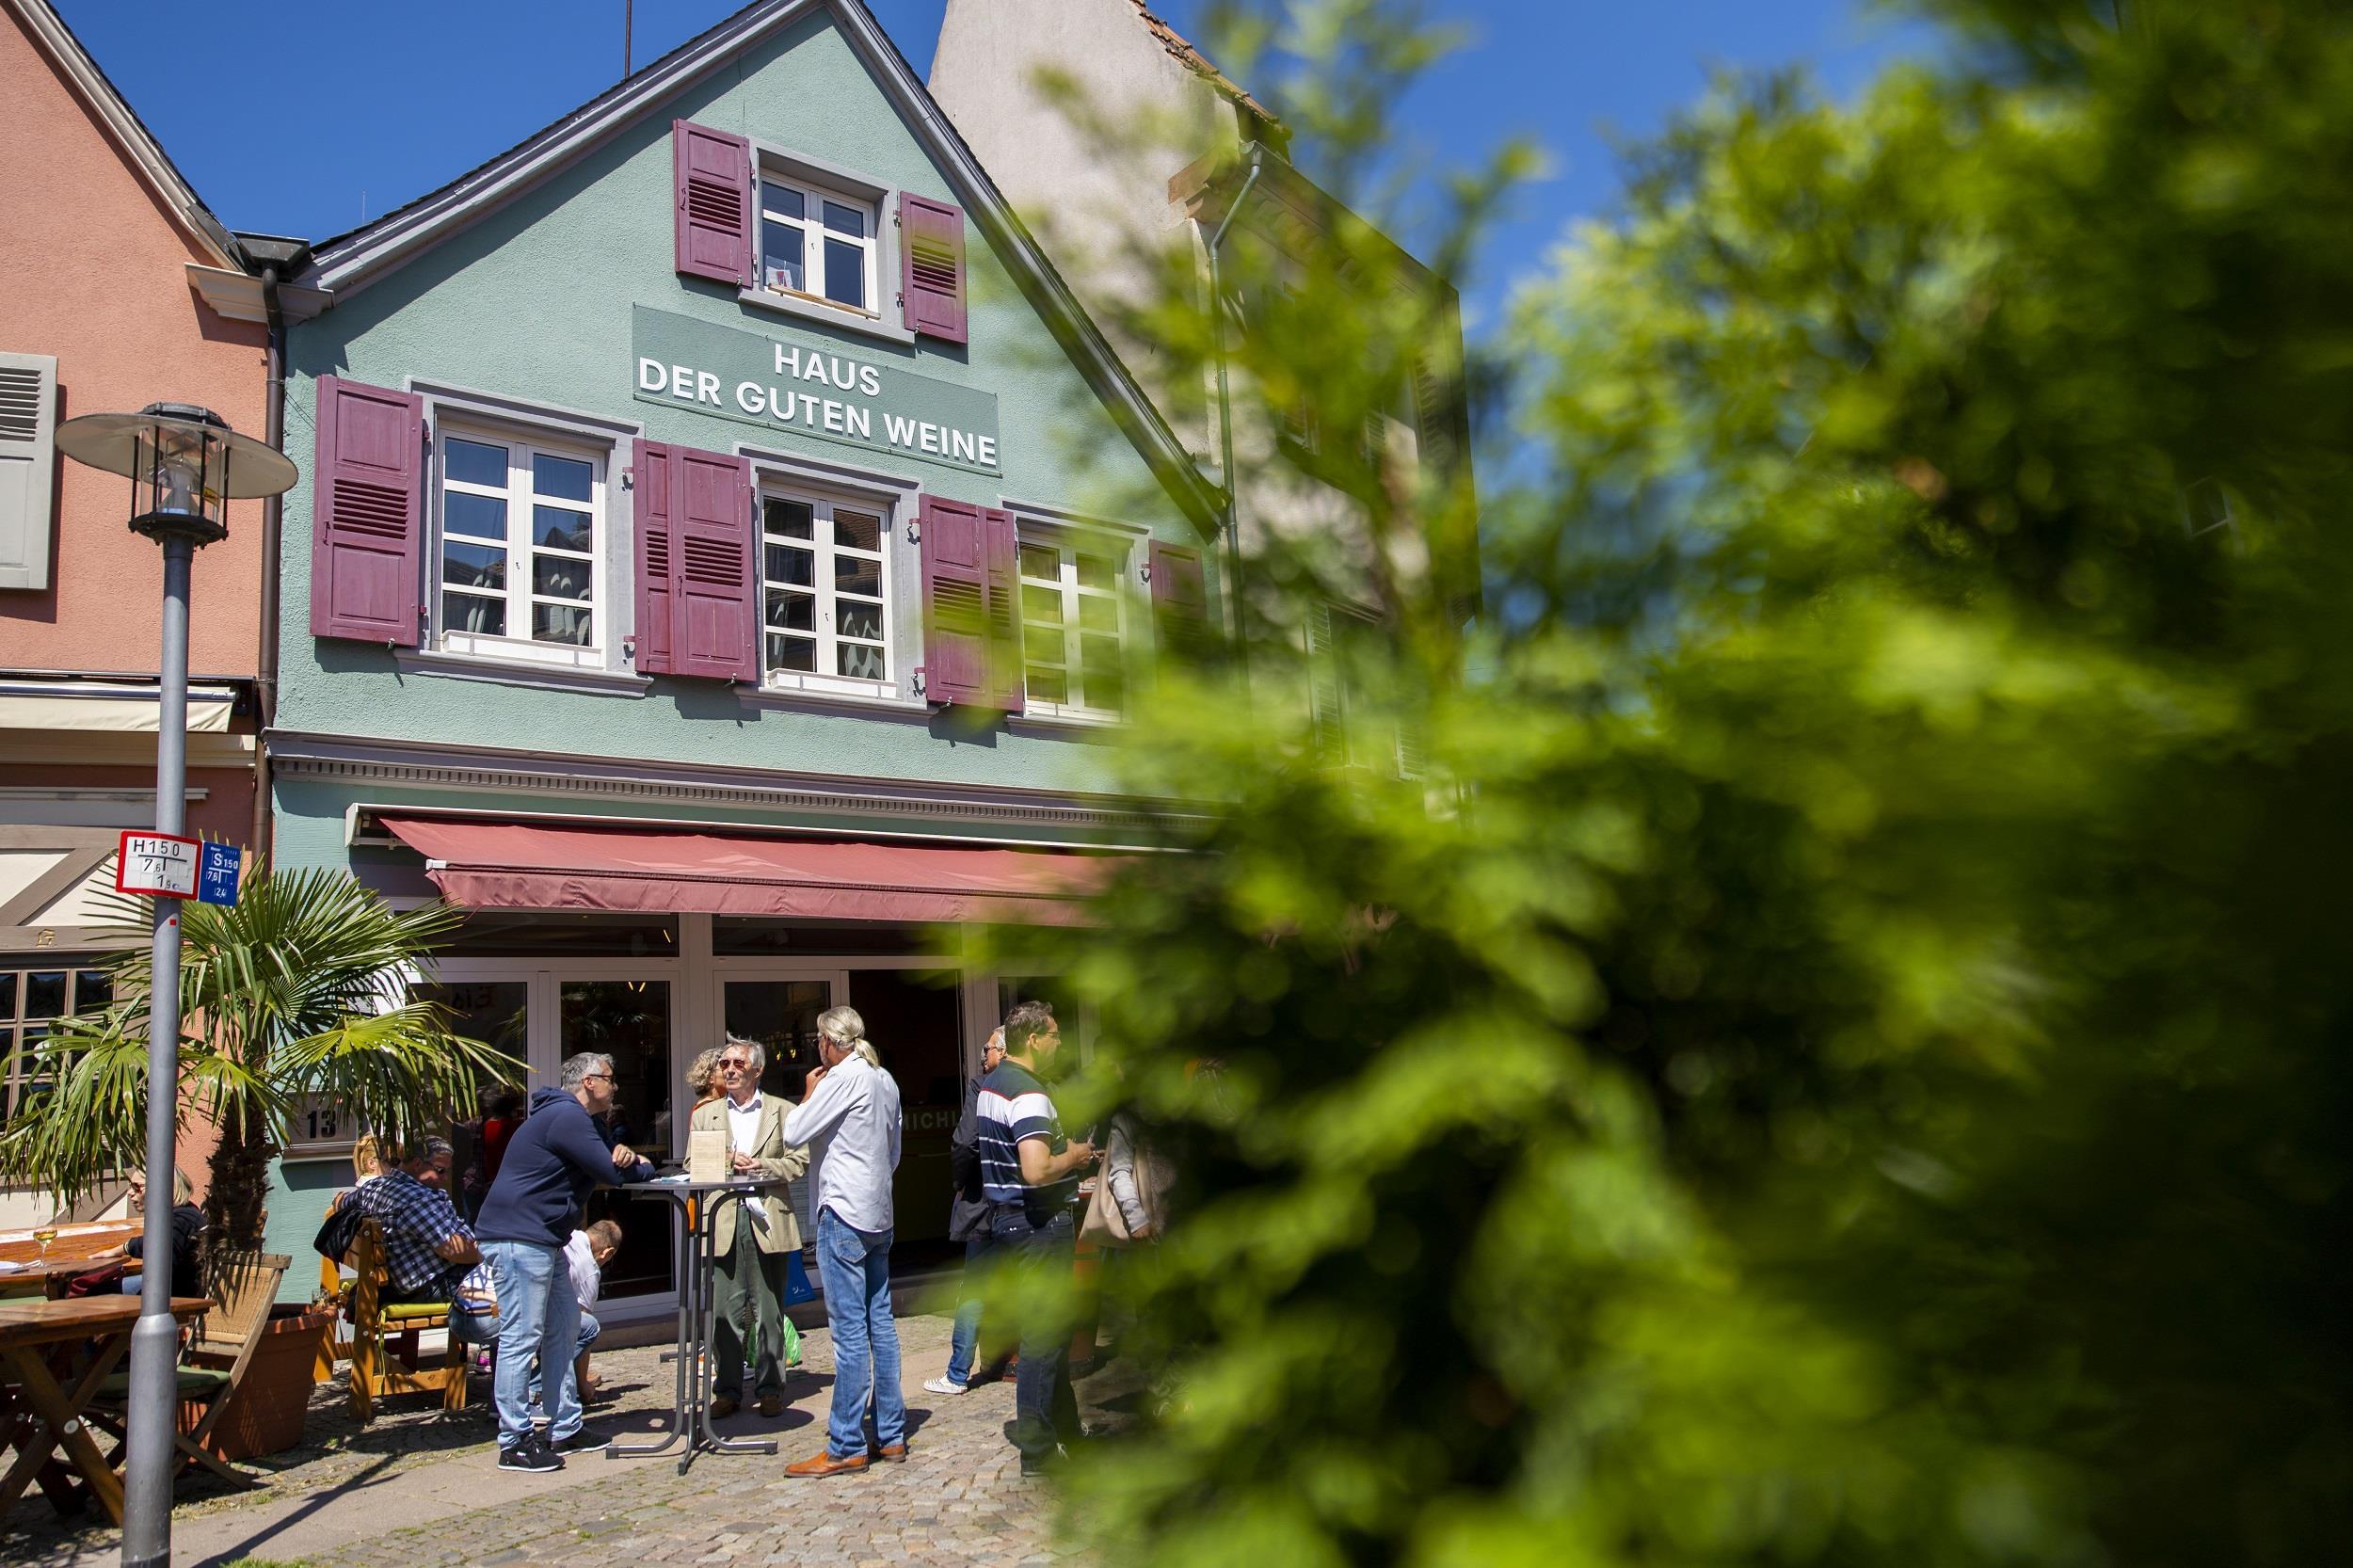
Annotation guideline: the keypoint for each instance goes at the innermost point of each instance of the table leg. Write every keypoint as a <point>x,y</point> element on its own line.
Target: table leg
<point>62,1422</point>
<point>706,1258</point>
<point>679,1418</point>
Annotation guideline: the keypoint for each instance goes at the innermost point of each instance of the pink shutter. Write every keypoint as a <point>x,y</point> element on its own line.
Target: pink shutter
<point>714,592</point>
<point>652,467</point>
<point>1180,600</point>
<point>931,266</point>
<point>1007,686</point>
<point>955,603</point>
<point>713,173</point>
<point>367,496</point>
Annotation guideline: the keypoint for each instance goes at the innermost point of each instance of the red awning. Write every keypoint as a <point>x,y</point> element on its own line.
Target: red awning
<point>508,865</point>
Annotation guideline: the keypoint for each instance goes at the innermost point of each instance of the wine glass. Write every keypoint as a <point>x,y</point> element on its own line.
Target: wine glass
<point>45,1235</point>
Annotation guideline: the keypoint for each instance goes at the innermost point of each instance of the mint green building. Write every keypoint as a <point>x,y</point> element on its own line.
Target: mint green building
<point>729,549</point>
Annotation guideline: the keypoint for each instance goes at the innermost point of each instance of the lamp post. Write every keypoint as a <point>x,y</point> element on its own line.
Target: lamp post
<point>184,465</point>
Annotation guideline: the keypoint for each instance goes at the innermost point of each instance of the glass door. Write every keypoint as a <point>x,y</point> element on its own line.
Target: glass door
<point>629,1022</point>
<point>780,1013</point>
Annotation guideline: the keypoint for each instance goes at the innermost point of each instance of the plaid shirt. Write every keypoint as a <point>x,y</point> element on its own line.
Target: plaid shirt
<point>415,1219</point>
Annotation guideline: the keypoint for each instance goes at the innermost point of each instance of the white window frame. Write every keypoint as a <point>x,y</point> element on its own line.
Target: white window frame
<point>523,442</point>
<point>826,679</point>
<point>814,233</point>
<point>1067,542</point>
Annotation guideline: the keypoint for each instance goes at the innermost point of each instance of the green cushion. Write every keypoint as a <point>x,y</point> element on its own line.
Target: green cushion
<point>196,1382</point>
<point>403,1312</point>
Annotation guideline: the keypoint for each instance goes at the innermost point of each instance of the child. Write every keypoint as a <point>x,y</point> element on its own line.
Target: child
<point>586,1254</point>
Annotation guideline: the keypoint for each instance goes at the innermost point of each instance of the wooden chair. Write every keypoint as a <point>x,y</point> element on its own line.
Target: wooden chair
<point>242,1288</point>
<point>385,1357</point>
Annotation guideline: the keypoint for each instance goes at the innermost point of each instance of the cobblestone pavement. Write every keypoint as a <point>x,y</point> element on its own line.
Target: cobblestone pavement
<point>420,1489</point>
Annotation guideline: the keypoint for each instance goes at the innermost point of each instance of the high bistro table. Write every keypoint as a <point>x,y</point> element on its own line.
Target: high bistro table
<point>693,1256</point>
<point>37,1414</point>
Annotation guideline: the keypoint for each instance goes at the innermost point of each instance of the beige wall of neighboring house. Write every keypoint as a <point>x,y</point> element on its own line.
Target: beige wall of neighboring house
<point>1102,210</point>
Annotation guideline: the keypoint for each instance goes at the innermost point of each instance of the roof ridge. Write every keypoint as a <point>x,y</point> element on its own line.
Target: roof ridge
<point>1182,49</point>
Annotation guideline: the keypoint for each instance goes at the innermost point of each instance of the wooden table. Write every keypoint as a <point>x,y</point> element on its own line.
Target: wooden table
<point>50,1279</point>
<point>39,1415</point>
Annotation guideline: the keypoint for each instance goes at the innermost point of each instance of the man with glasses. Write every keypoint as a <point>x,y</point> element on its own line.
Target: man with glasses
<point>752,1238</point>
<point>556,1159</point>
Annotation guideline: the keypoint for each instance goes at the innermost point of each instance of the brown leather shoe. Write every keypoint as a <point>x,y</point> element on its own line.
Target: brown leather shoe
<point>826,1465</point>
<point>724,1406</point>
<point>768,1404</point>
<point>895,1452</point>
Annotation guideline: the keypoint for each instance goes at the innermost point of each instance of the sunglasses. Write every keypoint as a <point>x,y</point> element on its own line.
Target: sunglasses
<point>736,1064</point>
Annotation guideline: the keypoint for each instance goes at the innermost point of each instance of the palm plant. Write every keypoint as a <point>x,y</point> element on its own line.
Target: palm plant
<point>295,992</point>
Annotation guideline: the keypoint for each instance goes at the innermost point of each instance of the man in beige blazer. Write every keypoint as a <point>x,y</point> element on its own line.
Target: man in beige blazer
<point>752,1237</point>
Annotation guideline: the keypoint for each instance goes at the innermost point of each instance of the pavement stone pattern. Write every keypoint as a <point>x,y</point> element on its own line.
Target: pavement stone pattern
<point>417,1489</point>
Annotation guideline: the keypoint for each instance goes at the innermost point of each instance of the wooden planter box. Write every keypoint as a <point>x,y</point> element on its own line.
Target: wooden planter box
<point>266,1409</point>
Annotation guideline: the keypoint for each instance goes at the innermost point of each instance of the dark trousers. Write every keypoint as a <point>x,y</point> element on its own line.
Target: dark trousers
<point>1046,1411</point>
<point>750,1285</point>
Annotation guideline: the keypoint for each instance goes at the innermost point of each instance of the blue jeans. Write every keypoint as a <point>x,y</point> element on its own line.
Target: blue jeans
<point>537,1314</point>
<point>966,1338</point>
<point>1046,1411</point>
<point>856,1267</point>
<point>589,1329</point>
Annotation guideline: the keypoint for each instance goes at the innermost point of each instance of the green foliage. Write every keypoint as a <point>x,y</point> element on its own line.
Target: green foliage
<point>286,995</point>
<point>1843,1058</point>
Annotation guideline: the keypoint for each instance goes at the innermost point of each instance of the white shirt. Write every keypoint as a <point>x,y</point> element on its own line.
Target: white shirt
<point>588,1279</point>
<point>744,1124</point>
<point>851,1125</point>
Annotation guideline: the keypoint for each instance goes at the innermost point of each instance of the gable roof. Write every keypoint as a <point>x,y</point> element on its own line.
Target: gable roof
<point>352,261</point>
<point>170,187</point>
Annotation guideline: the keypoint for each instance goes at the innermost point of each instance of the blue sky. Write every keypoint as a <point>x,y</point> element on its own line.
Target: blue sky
<point>307,121</point>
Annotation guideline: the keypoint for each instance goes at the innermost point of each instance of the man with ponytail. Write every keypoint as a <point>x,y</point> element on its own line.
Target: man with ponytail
<point>849,1119</point>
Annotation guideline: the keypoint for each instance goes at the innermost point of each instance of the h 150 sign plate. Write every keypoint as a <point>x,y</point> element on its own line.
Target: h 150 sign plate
<point>162,864</point>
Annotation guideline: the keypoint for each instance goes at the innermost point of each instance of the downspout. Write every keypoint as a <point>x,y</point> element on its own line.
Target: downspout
<point>1225,410</point>
<point>273,515</point>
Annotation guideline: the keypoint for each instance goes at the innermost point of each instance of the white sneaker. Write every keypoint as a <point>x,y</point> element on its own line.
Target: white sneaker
<point>943,1385</point>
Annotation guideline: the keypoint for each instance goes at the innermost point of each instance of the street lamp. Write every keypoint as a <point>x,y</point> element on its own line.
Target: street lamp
<point>185,465</point>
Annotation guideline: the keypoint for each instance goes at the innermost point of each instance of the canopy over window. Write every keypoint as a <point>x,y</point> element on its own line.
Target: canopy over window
<point>508,865</point>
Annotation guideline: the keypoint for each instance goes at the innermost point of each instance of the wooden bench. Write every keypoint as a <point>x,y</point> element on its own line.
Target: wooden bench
<point>385,1355</point>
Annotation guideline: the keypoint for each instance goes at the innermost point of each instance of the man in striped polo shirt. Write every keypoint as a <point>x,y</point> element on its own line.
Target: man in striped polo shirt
<point>1030,1174</point>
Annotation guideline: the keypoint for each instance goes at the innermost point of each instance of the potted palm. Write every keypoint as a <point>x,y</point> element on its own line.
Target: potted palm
<point>297,991</point>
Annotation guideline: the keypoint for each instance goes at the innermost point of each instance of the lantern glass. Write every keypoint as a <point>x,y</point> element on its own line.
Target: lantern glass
<point>181,481</point>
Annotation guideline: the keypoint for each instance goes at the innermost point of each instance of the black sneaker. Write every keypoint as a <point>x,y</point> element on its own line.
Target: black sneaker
<point>1050,1463</point>
<point>579,1442</point>
<point>531,1453</point>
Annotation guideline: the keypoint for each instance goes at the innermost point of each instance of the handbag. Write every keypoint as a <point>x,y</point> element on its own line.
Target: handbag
<point>1104,1225</point>
<point>340,1229</point>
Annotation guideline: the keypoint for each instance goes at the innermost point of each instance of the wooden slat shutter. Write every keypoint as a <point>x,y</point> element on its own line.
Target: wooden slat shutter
<point>955,557</point>
<point>651,467</point>
<point>1434,417</point>
<point>368,503</point>
<point>1323,686</point>
<point>932,267</point>
<point>1180,600</point>
<point>714,595</point>
<point>1008,687</point>
<point>28,467</point>
<point>713,175</point>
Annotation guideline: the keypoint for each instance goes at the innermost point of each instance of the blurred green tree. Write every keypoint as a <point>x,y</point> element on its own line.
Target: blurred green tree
<point>1842,1056</point>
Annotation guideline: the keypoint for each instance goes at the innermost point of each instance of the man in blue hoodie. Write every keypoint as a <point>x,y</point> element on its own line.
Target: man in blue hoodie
<point>553,1162</point>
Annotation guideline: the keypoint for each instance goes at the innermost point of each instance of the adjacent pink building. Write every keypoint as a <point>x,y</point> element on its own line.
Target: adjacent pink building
<point>121,290</point>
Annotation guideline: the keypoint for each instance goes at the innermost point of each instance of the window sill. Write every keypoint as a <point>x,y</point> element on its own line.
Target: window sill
<point>838,317</point>
<point>504,672</point>
<point>848,702</point>
<point>1050,719</point>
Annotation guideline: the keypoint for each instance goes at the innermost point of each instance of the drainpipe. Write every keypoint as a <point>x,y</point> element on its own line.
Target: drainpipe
<point>1226,409</point>
<point>273,515</point>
